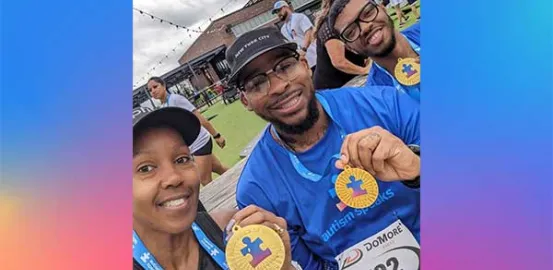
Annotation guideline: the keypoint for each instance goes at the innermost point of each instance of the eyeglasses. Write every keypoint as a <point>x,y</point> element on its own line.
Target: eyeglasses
<point>352,32</point>
<point>286,69</point>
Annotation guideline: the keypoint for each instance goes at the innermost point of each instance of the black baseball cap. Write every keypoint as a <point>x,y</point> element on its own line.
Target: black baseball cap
<point>253,44</point>
<point>183,121</point>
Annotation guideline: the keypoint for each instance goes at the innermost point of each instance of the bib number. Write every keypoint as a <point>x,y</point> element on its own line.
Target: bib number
<point>391,263</point>
<point>394,248</point>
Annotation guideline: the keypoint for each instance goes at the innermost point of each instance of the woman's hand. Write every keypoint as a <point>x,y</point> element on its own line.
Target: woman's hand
<point>256,215</point>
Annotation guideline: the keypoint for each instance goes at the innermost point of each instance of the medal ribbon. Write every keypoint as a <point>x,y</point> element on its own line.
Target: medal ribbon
<point>413,91</point>
<point>300,168</point>
<point>166,103</point>
<point>148,262</point>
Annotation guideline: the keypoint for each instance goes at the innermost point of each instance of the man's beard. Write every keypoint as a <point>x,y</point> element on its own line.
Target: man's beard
<point>390,47</point>
<point>306,124</point>
<point>283,17</point>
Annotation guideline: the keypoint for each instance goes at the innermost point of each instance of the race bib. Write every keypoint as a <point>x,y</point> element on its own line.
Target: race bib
<point>394,248</point>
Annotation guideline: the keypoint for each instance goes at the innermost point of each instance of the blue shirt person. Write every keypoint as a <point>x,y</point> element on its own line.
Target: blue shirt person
<point>368,30</point>
<point>311,138</point>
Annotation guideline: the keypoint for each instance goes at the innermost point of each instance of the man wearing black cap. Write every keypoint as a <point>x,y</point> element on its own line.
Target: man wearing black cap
<point>368,30</point>
<point>293,170</point>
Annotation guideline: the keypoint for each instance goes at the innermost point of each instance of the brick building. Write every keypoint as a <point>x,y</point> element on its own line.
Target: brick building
<point>204,64</point>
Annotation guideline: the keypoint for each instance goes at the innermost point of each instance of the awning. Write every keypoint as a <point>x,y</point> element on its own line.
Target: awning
<point>182,72</point>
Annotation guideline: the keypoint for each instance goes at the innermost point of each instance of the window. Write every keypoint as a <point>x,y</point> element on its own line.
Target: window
<point>298,3</point>
<point>253,23</point>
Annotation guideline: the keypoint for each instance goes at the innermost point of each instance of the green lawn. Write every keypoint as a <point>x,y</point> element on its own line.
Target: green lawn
<point>238,125</point>
<point>409,22</point>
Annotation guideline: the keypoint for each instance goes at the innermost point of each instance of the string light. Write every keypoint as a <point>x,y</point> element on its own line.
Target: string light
<point>161,20</point>
<point>188,30</point>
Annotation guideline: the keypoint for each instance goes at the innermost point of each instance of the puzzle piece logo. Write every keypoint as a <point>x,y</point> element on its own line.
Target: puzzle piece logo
<point>254,249</point>
<point>408,70</point>
<point>356,186</point>
<point>353,184</point>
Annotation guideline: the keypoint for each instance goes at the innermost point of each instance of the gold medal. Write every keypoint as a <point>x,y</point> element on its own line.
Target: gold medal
<point>254,247</point>
<point>408,71</point>
<point>356,188</point>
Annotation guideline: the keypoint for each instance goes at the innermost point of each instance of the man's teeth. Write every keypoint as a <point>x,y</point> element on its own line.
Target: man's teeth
<point>375,36</point>
<point>290,103</point>
<point>173,203</point>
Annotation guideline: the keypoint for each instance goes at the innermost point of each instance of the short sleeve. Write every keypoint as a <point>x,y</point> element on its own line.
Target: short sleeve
<point>180,101</point>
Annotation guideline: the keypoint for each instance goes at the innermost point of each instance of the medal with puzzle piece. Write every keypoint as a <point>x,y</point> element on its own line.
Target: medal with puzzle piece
<point>408,71</point>
<point>356,188</point>
<point>254,247</point>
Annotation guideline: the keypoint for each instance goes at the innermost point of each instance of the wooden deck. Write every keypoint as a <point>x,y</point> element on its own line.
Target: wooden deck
<point>221,193</point>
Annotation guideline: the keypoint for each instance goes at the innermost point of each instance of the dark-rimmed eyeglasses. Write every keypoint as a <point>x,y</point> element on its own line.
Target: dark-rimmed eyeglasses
<point>287,69</point>
<point>352,32</point>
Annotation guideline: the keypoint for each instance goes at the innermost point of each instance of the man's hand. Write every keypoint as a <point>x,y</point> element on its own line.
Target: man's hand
<point>301,53</point>
<point>380,153</point>
<point>221,141</point>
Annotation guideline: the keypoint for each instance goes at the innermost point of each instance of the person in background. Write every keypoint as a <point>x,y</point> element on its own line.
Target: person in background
<point>401,17</point>
<point>297,28</point>
<point>368,30</point>
<point>414,9</point>
<point>335,64</point>
<point>219,88</point>
<point>168,232</point>
<point>205,95</point>
<point>203,146</point>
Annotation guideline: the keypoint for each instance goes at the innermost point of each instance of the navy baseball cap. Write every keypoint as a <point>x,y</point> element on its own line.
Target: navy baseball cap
<point>181,120</point>
<point>252,44</point>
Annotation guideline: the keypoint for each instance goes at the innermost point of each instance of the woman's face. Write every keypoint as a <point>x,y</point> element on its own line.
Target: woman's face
<point>165,181</point>
<point>156,89</point>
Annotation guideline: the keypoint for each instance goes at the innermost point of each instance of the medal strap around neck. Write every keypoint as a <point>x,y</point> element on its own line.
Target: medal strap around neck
<point>397,85</point>
<point>148,262</point>
<point>141,254</point>
<point>300,168</point>
<point>166,103</point>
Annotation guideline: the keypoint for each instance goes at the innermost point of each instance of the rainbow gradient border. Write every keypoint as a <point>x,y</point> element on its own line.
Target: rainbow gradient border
<point>66,79</point>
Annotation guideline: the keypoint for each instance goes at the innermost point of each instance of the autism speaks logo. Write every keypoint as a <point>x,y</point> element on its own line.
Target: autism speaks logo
<point>342,222</point>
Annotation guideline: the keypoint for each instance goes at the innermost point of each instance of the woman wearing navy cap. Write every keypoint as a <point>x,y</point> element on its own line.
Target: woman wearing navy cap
<point>168,232</point>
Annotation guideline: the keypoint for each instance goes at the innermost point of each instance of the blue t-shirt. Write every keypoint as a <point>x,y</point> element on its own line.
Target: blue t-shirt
<point>378,76</point>
<point>319,230</point>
